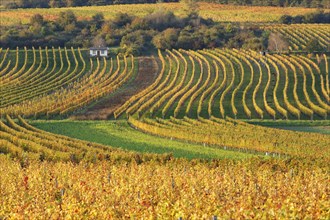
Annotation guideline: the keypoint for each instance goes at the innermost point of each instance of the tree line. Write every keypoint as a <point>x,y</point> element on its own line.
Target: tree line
<point>73,3</point>
<point>139,35</point>
<point>319,17</point>
<point>133,35</point>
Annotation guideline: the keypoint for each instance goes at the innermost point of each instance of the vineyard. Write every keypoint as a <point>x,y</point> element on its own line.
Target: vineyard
<point>174,189</point>
<point>205,85</point>
<point>234,134</point>
<point>55,176</point>
<point>183,145</point>
<point>57,81</point>
<point>234,83</point>
<point>206,88</point>
<point>27,143</point>
<point>299,35</point>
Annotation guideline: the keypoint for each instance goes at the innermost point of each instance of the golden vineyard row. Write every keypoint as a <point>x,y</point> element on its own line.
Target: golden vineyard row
<point>235,83</point>
<point>25,142</point>
<point>54,85</point>
<point>235,134</point>
<point>250,189</point>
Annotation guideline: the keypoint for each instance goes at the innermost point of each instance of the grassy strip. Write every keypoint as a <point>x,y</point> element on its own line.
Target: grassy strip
<point>317,126</point>
<point>119,134</point>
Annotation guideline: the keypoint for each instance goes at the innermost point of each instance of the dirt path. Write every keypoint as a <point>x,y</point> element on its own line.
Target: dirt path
<point>104,108</point>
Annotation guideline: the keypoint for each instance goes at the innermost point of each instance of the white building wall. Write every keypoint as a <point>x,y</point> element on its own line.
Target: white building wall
<point>102,53</point>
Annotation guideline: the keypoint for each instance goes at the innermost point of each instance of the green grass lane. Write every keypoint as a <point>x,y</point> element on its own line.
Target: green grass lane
<point>315,129</point>
<point>316,126</point>
<point>120,135</point>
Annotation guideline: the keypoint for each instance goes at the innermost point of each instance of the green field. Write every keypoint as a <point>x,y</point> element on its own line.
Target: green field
<point>119,134</point>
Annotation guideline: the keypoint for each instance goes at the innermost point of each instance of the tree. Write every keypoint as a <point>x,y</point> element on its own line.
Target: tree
<point>166,39</point>
<point>39,3</point>
<point>24,3</point>
<point>56,3</point>
<point>67,18</point>
<point>135,42</point>
<point>297,19</point>
<point>305,3</point>
<point>212,36</point>
<point>276,42</point>
<point>278,3</point>
<point>254,43</point>
<point>191,6</point>
<point>98,41</point>
<point>98,20</point>
<point>285,19</point>
<point>161,20</point>
<point>185,38</point>
<point>37,24</point>
<point>314,46</point>
<point>11,5</point>
<point>37,19</point>
<point>122,19</point>
<point>316,4</point>
<point>97,2</point>
<point>70,3</point>
<point>326,4</point>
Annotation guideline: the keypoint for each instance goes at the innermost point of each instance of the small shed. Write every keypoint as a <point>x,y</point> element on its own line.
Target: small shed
<point>99,51</point>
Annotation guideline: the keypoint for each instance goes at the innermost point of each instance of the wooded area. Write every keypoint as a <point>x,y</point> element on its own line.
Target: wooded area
<point>135,35</point>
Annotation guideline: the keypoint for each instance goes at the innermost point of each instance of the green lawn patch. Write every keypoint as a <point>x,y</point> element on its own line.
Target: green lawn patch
<point>119,134</point>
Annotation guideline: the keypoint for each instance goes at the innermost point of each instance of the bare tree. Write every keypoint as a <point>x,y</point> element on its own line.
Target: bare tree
<point>276,42</point>
<point>98,41</point>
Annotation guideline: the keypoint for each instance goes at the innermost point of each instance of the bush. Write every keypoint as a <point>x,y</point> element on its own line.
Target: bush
<point>285,19</point>
<point>162,20</point>
<point>136,42</point>
<point>318,17</point>
<point>166,39</point>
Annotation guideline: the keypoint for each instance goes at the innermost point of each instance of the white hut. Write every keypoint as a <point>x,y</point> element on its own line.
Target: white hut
<point>99,51</point>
